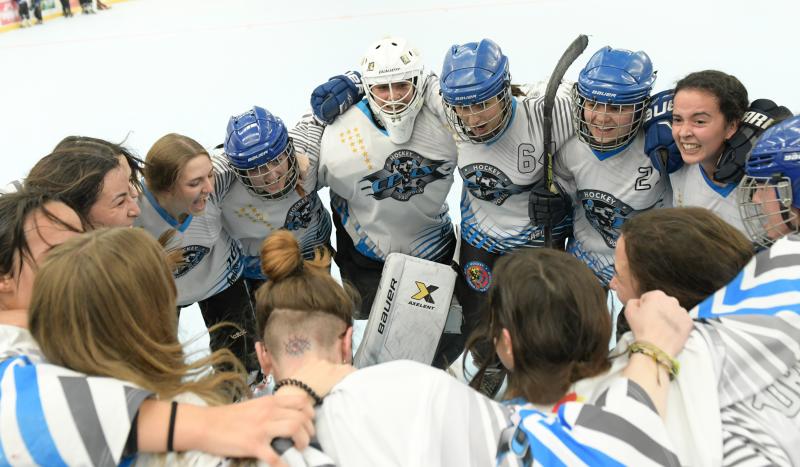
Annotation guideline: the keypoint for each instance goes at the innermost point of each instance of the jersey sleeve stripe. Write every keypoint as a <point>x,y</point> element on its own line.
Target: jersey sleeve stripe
<point>620,428</point>
<point>84,412</point>
<point>31,419</point>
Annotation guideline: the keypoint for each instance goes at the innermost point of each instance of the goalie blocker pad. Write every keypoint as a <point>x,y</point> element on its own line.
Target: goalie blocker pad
<point>409,313</point>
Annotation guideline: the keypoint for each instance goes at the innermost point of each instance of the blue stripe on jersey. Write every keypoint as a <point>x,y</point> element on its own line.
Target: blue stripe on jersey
<point>180,227</point>
<point>30,417</point>
<point>128,461</point>
<point>734,294</point>
<point>3,368</point>
<point>723,191</point>
<point>363,106</point>
<point>472,232</point>
<point>559,427</point>
<point>433,240</point>
<point>367,250</point>
<point>601,156</point>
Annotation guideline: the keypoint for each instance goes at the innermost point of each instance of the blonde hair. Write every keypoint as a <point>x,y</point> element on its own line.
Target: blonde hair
<point>104,304</point>
<point>166,158</point>
<point>299,294</point>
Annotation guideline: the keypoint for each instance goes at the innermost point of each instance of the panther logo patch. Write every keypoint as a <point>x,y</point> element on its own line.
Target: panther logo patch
<point>488,183</point>
<point>301,213</point>
<point>192,255</point>
<point>405,174</point>
<point>605,213</point>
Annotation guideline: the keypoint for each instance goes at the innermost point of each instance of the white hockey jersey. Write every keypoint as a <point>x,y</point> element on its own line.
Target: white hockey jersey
<point>499,176</point>
<point>55,416</point>
<point>212,258</point>
<point>250,218</point>
<point>692,187</point>
<point>391,198</point>
<point>606,190</point>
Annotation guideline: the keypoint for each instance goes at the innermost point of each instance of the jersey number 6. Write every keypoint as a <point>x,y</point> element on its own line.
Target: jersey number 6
<point>526,162</point>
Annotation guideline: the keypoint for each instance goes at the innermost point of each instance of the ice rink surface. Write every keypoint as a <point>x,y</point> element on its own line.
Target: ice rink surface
<point>150,67</point>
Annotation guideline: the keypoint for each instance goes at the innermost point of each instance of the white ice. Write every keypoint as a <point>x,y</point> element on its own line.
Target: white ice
<point>150,67</point>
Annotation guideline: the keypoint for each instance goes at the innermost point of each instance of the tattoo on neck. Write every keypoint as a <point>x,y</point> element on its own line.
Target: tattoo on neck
<point>297,345</point>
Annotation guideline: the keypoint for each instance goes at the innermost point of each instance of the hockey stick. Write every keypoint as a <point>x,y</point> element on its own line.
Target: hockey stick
<point>573,51</point>
<point>570,55</point>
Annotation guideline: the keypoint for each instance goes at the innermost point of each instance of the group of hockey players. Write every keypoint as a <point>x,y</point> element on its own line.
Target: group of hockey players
<point>685,204</point>
<point>23,10</point>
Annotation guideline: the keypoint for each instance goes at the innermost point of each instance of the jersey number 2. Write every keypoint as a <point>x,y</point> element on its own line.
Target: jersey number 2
<point>641,184</point>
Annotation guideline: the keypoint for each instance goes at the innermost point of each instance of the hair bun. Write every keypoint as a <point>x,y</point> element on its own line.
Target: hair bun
<point>280,255</point>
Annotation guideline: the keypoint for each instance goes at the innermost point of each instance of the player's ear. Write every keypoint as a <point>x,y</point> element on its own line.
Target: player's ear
<point>347,345</point>
<point>505,350</point>
<point>264,358</point>
<point>731,128</point>
<point>7,284</point>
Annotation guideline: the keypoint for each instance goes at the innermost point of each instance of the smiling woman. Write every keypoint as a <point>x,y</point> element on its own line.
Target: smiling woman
<point>96,178</point>
<point>708,109</point>
<point>180,198</point>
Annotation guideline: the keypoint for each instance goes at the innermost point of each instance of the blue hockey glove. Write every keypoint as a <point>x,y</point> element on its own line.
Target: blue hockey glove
<point>762,114</point>
<point>658,142</point>
<point>331,99</point>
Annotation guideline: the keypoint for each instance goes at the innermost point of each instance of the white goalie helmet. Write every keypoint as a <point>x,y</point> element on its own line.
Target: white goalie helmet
<point>394,82</point>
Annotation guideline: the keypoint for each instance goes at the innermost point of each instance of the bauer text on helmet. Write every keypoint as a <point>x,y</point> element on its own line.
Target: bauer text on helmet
<point>476,91</point>
<point>610,97</point>
<point>393,76</point>
<point>261,153</point>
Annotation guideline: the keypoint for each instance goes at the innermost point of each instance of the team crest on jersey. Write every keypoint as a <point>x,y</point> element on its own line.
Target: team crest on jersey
<point>478,276</point>
<point>489,183</point>
<point>192,255</point>
<point>301,213</point>
<point>404,175</point>
<point>605,213</point>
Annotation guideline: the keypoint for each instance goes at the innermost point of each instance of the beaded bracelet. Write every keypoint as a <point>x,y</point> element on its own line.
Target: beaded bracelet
<point>301,385</point>
<point>658,356</point>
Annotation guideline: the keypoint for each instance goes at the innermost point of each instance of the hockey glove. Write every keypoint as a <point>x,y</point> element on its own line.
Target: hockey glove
<point>331,99</point>
<point>658,142</point>
<point>762,114</point>
<point>547,208</point>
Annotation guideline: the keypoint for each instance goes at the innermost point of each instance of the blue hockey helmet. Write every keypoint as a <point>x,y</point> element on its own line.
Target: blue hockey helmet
<point>259,149</point>
<point>769,193</point>
<point>612,91</point>
<point>476,90</point>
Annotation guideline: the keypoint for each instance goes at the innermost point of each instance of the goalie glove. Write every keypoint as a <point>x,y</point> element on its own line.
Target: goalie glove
<point>658,142</point>
<point>762,114</point>
<point>333,98</point>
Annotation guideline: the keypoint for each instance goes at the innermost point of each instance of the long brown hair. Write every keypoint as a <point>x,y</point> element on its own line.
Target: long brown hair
<point>104,304</point>
<point>299,293</point>
<point>688,253</point>
<point>556,313</point>
<point>166,158</point>
<point>76,169</point>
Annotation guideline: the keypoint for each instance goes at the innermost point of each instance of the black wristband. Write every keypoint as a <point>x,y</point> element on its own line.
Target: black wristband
<point>301,385</point>
<point>171,433</point>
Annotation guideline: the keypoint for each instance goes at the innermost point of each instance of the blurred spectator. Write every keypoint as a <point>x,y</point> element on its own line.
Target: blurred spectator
<point>66,8</point>
<point>86,7</point>
<point>24,13</point>
<point>37,10</point>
